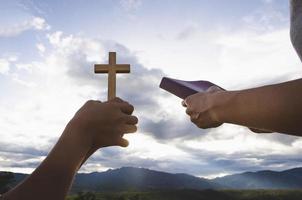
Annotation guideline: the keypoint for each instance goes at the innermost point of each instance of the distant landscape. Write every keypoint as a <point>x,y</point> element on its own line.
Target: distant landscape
<point>139,183</point>
<point>193,195</point>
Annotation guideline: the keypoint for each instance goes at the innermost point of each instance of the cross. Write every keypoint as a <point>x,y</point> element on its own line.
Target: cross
<point>112,68</point>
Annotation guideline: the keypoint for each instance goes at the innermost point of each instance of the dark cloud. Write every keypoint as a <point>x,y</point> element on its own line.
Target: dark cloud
<point>115,157</point>
<point>19,156</point>
<point>23,164</point>
<point>217,162</point>
<point>169,128</point>
<point>23,150</point>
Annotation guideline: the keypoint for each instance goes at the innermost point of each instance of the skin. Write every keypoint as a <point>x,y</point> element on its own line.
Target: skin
<point>95,125</point>
<point>272,108</point>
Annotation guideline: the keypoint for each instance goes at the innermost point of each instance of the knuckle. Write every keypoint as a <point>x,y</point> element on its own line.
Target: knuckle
<point>117,98</point>
<point>188,111</point>
<point>131,108</point>
<point>89,102</point>
<point>193,120</point>
<point>199,125</point>
<point>135,119</point>
<point>187,101</point>
<point>119,130</point>
<point>121,120</point>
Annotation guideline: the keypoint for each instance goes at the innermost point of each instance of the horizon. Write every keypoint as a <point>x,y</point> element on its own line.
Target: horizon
<point>202,177</point>
<point>46,74</point>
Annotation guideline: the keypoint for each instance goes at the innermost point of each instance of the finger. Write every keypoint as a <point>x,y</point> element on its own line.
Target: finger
<point>117,99</point>
<point>128,128</point>
<point>255,130</point>
<point>183,103</point>
<point>194,116</point>
<point>127,108</point>
<point>130,119</point>
<point>214,88</point>
<point>188,100</point>
<point>123,142</point>
<point>189,111</point>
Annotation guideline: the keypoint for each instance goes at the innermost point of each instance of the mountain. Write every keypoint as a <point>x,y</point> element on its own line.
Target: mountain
<point>288,179</point>
<point>140,179</point>
<point>129,178</point>
<point>9,180</point>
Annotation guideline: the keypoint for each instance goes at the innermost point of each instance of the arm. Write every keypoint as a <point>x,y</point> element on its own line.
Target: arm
<point>276,108</point>
<point>94,126</point>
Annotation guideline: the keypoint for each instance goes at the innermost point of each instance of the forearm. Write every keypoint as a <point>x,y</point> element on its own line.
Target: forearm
<point>276,108</point>
<point>52,179</point>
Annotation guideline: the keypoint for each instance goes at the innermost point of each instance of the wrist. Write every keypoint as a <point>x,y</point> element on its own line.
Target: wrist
<point>76,130</point>
<point>222,103</point>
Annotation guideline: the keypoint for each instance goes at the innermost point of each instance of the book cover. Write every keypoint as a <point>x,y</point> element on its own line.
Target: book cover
<point>183,89</point>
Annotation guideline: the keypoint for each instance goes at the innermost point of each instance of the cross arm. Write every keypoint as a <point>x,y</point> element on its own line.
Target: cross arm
<point>119,68</point>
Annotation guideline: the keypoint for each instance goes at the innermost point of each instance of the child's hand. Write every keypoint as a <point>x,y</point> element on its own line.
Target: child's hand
<point>104,124</point>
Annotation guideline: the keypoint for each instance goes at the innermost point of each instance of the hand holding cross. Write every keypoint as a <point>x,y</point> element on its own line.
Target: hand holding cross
<point>112,68</point>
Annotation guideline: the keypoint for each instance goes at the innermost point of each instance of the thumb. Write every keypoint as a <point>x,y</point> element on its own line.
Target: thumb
<point>123,142</point>
<point>183,103</point>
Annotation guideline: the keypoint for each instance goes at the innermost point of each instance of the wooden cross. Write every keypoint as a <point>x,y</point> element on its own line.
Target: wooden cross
<point>112,68</point>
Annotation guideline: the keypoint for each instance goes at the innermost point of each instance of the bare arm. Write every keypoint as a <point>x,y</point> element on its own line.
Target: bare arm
<point>276,108</point>
<point>52,179</point>
<point>94,126</point>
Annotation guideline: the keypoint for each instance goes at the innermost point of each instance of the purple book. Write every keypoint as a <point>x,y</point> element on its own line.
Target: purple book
<point>184,89</point>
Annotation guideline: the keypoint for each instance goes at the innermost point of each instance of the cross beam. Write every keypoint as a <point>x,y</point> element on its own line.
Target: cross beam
<point>112,68</point>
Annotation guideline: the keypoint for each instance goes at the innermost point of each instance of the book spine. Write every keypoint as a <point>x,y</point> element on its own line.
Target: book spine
<point>176,88</point>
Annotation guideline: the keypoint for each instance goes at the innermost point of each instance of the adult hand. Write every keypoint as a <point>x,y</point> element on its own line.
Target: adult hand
<point>200,108</point>
<point>105,124</point>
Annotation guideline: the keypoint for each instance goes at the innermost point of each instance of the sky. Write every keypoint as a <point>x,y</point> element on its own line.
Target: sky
<point>47,53</point>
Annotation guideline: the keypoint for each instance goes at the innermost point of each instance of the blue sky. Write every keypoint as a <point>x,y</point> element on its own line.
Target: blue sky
<point>47,52</point>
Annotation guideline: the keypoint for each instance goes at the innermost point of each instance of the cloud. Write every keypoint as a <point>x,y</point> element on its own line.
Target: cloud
<point>21,149</point>
<point>169,141</point>
<point>41,48</point>
<point>35,23</point>
<point>6,62</point>
<point>4,66</point>
<point>130,5</point>
<point>170,128</point>
<point>140,87</point>
<point>266,18</point>
<point>16,156</point>
<point>188,31</point>
<point>52,88</point>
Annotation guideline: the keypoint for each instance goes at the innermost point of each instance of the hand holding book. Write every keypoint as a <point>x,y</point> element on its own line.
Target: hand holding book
<point>203,100</point>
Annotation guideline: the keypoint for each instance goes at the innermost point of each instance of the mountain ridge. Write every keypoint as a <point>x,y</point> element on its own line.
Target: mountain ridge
<point>140,179</point>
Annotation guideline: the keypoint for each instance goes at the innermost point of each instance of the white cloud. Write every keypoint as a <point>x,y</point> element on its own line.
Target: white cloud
<point>4,66</point>
<point>41,48</point>
<point>129,5</point>
<point>35,23</point>
<point>39,23</point>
